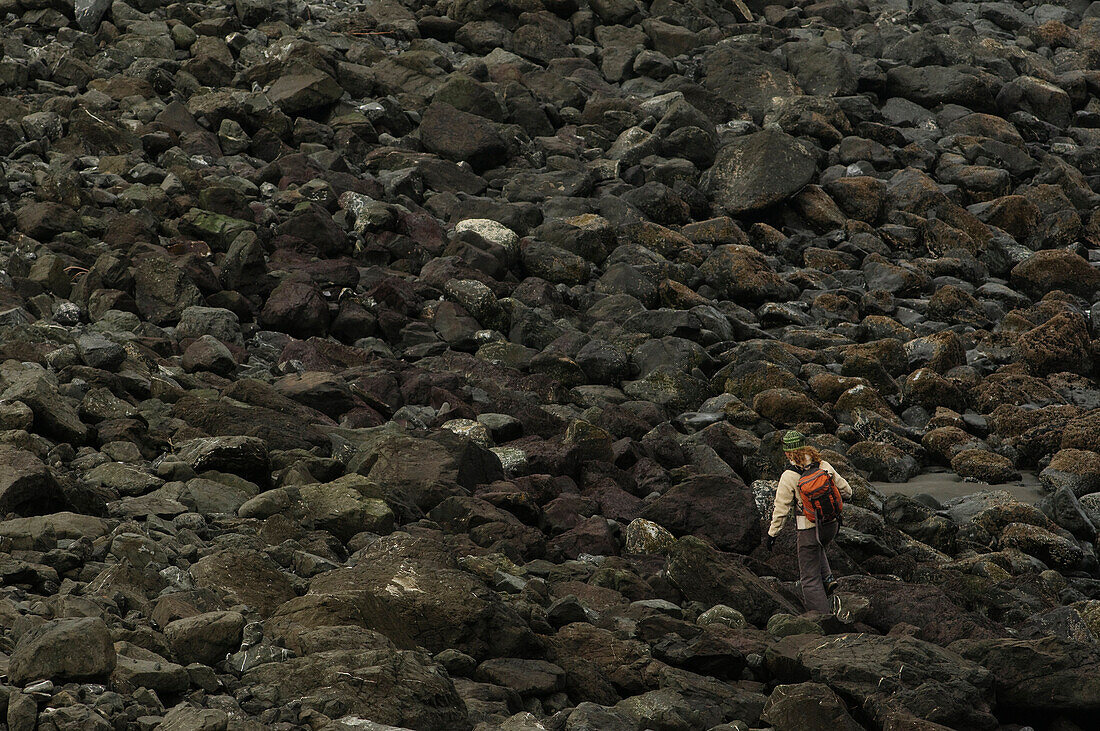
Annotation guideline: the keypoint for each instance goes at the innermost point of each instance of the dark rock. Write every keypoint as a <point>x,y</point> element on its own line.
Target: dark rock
<point>758,171</point>
<point>932,85</point>
<point>808,706</point>
<point>419,598</point>
<point>280,427</point>
<point>45,220</point>
<point>138,667</point>
<point>1029,94</point>
<point>984,466</point>
<point>244,456</point>
<point>1048,673</point>
<point>205,638</point>
<point>244,577</point>
<point>1077,469</point>
<point>163,291</point>
<point>89,13</point>
<point>706,575</point>
<point>296,307</point>
<point>27,486</point>
<point>207,353</point>
<point>64,649</point>
<point>717,508</point>
<point>884,461</point>
<point>1048,270</point>
<point>461,136</point>
<point>742,274</point>
<point>306,90</point>
<point>940,618</point>
<point>1062,507</point>
<point>526,677</point>
<point>1059,344</point>
<point>943,688</point>
<point>409,689</point>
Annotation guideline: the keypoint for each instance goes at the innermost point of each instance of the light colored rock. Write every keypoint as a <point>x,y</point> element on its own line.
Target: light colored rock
<point>490,230</point>
<point>645,536</point>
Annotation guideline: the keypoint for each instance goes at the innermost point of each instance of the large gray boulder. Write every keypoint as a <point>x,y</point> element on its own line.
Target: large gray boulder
<point>27,485</point>
<point>412,591</point>
<point>89,13</point>
<point>406,689</point>
<point>706,575</point>
<point>758,171</point>
<point>64,649</point>
<point>891,677</point>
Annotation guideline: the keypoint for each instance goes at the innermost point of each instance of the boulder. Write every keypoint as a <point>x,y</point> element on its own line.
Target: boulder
<point>344,508</point>
<point>940,618</point>
<point>297,307</point>
<point>64,649</point>
<point>461,136</point>
<point>412,591</point>
<point>1036,96</point>
<point>717,508</point>
<point>44,531</point>
<point>207,353</point>
<point>410,467</point>
<point>1077,469</point>
<point>807,707</point>
<point>407,690</point>
<point>307,90</point>
<point>1044,674</point>
<point>1056,269</point>
<point>244,577</point>
<point>89,13</point>
<point>757,171</point>
<point>707,575</point>
<point>930,682</point>
<point>1062,507</point>
<point>162,291</point>
<point>642,536</point>
<point>205,638</point>
<point>742,274</point>
<point>27,486</point>
<point>883,461</point>
<point>984,466</point>
<point>526,677</point>
<point>138,667</point>
<point>185,717</point>
<point>1059,552</point>
<point>1060,344</point>
<point>246,457</point>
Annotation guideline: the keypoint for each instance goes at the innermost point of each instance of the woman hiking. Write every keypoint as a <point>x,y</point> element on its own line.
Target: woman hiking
<point>813,488</point>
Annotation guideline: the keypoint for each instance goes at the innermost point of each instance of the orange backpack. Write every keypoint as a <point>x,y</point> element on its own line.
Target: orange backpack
<point>819,497</point>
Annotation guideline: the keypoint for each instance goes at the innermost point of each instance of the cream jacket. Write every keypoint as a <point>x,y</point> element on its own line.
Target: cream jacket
<point>787,493</point>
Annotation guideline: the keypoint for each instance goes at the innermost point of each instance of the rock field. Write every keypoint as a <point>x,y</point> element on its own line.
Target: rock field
<point>423,365</point>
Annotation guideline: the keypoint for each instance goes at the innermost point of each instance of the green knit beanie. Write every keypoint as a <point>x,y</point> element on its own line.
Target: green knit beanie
<point>793,440</point>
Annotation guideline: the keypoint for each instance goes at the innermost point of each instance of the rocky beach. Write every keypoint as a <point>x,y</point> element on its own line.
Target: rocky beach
<point>424,365</point>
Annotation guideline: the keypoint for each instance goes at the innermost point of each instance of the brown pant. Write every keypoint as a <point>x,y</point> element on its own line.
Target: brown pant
<point>813,564</point>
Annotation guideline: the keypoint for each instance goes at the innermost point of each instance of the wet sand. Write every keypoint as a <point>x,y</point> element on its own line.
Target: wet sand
<point>947,485</point>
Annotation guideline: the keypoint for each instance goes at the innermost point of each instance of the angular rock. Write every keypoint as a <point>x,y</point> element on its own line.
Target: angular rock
<point>64,649</point>
<point>717,508</point>
<point>706,575</point>
<point>461,136</point>
<point>244,577</point>
<point>205,638</point>
<point>808,706</point>
<point>758,171</point>
<point>27,486</point>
